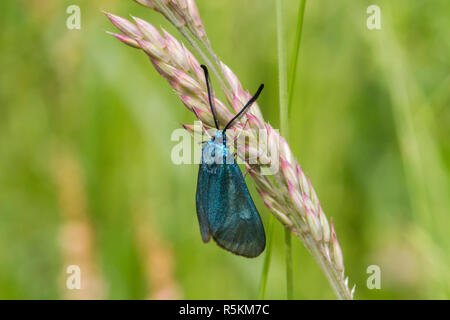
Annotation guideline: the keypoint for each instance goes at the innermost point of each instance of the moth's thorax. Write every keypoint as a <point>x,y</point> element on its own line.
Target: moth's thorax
<point>215,151</point>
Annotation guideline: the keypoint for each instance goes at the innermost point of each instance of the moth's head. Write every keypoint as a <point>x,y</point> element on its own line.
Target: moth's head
<point>219,136</point>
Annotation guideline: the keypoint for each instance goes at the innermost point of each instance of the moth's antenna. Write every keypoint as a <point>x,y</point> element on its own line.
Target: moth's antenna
<point>205,69</point>
<point>246,107</point>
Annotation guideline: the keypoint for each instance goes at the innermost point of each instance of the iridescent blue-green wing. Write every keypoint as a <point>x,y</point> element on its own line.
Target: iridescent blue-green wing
<point>201,202</point>
<point>234,221</point>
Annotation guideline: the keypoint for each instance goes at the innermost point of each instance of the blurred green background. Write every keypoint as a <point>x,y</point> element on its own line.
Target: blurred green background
<point>85,171</point>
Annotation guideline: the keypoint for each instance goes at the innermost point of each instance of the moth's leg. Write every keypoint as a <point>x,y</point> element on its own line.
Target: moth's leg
<point>248,168</point>
<point>246,171</point>
<point>237,137</point>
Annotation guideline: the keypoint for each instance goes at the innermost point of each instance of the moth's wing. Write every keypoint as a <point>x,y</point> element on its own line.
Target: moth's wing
<point>201,202</point>
<point>234,221</point>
